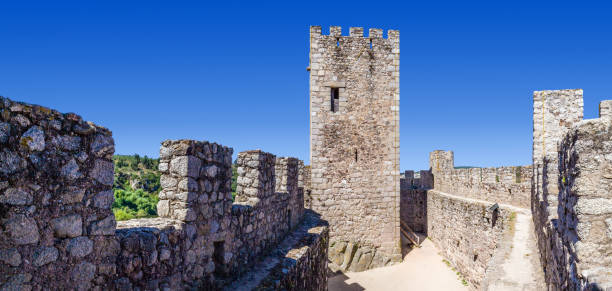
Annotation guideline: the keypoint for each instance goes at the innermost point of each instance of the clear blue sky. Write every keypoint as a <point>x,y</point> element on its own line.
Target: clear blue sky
<point>235,73</point>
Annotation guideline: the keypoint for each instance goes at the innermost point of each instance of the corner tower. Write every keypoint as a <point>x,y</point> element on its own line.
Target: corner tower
<point>354,144</point>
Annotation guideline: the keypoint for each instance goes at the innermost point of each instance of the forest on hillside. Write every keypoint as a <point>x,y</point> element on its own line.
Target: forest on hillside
<point>136,186</point>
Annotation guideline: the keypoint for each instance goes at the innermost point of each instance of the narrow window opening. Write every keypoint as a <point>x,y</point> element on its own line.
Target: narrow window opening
<point>370,44</point>
<point>338,42</point>
<point>288,219</point>
<point>335,99</point>
<point>219,257</point>
<point>355,155</point>
<point>475,257</point>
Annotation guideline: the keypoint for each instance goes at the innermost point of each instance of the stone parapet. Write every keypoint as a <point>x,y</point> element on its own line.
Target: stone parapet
<point>60,233</point>
<point>467,231</point>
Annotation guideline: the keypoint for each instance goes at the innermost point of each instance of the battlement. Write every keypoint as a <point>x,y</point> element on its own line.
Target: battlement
<point>55,205</point>
<point>336,31</point>
<point>605,109</point>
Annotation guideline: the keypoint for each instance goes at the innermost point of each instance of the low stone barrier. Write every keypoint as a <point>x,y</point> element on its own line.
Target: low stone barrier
<point>466,231</point>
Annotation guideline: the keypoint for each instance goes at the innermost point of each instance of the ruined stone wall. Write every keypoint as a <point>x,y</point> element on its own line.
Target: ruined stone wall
<point>56,176</point>
<point>467,232</point>
<point>354,141</point>
<point>508,185</point>
<point>59,231</point>
<point>554,113</point>
<point>585,206</point>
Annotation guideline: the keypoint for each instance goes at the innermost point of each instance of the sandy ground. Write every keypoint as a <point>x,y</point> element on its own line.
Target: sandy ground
<point>422,269</point>
<point>520,268</point>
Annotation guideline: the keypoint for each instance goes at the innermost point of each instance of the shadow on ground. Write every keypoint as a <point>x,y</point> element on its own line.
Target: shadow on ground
<point>337,282</point>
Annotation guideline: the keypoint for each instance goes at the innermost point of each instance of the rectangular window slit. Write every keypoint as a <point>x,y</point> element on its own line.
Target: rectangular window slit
<point>370,44</point>
<point>355,155</point>
<point>338,42</point>
<point>335,99</point>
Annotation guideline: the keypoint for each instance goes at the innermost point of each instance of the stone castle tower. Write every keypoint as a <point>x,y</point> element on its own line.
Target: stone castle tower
<point>354,143</point>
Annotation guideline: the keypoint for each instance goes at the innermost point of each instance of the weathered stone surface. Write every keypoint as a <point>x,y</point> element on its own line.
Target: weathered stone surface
<point>211,171</point>
<point>67,142</point>
<point>10,162</point>
<point>34,139</point>
<point>73,195</point>
<point>16,196</point>
<point>71,170</point>
<point>23,230</point>
<point>103,146</point>
<point>185,166</point>
<point>67,226</point>
<point>83,273</point>
<point>10,257</point>
<point>104,199</point>
<point>5,131</point>
<point>163,208</point>
<point>103,172</point>
<point>80,246</point>
<point>18,282</point>
<point>44,255</point>
<point>105,226</point>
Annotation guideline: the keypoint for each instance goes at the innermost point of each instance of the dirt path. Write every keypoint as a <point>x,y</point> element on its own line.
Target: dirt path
<point>422,269</point>
<point>517,261</point>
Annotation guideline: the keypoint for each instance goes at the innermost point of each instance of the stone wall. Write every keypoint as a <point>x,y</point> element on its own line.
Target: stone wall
<point>570,193</point>
<point>466,231</point>
<point>508,185</point>
<point>413,209</point>
<point>354,142</point>
<point>413,199</point>
<point>554,113</point>
<point>59,231</point>
<point>585,206</point>
<point>56,176</point>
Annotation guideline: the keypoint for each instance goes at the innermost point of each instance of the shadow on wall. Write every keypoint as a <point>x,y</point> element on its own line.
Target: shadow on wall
<point>337,282</point>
